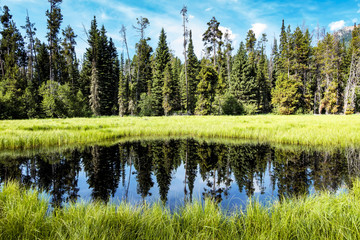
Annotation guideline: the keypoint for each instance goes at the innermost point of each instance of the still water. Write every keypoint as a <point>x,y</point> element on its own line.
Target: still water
<point>174,171</point>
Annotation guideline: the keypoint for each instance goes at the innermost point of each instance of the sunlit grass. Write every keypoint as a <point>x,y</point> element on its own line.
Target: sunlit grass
<point>309,130</point>
<point>24,214</point>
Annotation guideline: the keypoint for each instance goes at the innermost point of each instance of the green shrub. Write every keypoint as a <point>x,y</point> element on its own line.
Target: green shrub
<point>231,106</point>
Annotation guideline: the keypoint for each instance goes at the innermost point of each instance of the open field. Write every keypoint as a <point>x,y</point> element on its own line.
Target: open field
<point>25,215</point>
<point>308,130</point>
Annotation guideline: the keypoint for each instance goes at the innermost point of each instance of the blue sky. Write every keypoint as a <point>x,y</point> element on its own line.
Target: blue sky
<point>236,15</point>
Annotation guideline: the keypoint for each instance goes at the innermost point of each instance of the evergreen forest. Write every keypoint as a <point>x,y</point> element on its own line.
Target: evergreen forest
<point>305,72</point>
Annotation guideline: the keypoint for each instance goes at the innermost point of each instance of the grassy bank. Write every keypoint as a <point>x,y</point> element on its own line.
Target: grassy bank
<point>25,215</point>
<point>307,130</point>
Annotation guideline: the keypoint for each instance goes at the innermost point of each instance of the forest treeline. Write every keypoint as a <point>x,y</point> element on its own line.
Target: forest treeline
<point>303,74</point>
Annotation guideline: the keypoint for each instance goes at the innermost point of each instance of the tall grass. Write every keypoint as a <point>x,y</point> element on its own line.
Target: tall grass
<point>309,130</point>
<point>25,215</point>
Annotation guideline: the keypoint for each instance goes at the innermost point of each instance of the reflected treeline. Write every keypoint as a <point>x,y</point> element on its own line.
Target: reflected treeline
<point>248,168</point>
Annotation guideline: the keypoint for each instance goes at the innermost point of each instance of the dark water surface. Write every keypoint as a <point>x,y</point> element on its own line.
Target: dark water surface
<point>175,171</point>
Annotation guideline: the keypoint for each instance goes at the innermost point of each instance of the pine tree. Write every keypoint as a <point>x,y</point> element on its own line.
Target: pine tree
<point>68,51</point>
<point>300,65</point>
<point>227,52</point>
<point>103,68</point>
<point>31,53</point>
<point>123,89</point>
<point>53,25</point>
<point>273,64</point>
<point>212,38</point>
<point>237,86</point>
<point>177,69</point>
<point>264,93</point>
<point>249,84</point>
<point>205,89</point>
<point>193,71</point>
<point>13,63</point>
<point>31,92</point>
<point>283,49</point>
<point>113,78</point>
<point>95,92</point>
<point>90,74</point>
<point>143,71</point>
<point>286,96</point>
<point>168,101</point>
<point>162,61</point>
<point>42,66</point>
<point>328,59</point>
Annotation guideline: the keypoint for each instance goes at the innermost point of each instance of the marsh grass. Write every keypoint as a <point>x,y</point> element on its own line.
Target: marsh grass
<point>305,130</point>
<point>12,154</point>
<point>24,214</point>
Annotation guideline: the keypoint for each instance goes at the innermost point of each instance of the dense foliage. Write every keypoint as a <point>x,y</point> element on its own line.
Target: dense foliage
<point>301,75</point>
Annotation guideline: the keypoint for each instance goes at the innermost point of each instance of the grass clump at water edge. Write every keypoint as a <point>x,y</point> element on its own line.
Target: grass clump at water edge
<point>25,215</point>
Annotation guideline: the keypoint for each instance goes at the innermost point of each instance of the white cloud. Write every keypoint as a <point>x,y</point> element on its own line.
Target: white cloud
<point>355,20</point>
<point>191,16</point>
<point>104,16</point>
<point>208,9</point>
<point>232,36</point>
<point>258,28</point>
<point>337,25</point>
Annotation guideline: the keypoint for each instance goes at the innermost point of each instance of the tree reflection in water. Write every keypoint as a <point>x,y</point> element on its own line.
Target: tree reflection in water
<point>215,170</point>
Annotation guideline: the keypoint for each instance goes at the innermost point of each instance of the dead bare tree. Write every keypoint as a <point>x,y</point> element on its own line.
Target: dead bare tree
<point>123,34</point>
<point>183,12</point>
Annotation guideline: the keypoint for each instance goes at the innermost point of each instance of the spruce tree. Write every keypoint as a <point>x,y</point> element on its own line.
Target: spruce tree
<point>90,74</point>
<point>68,51</point>
<point>13,63</point>
<point>249,84</point>
<point>237,84</point>
<point>53,25</point>
<point>168,101</point>
<point>328,59</point>
<point>31,92</point>
<point>177,69</point>
<point>300,65</point>
<point>42,66</point>
<point>273,64</point>
<point>286,96</point>
<point>123,89</point>
<point>162,61</point>
<point>193,71</point>
<point>95,92</point>
<point>103,71</point>
<point>205,90</point>
<point>264,93</point>
<point>113,78</point>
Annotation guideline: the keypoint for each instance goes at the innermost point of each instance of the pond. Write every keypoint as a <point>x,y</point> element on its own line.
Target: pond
<point>178,170</point>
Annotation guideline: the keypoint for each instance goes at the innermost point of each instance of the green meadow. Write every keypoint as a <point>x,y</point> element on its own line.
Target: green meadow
<point>25,214</point>
<point>305,130</point>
